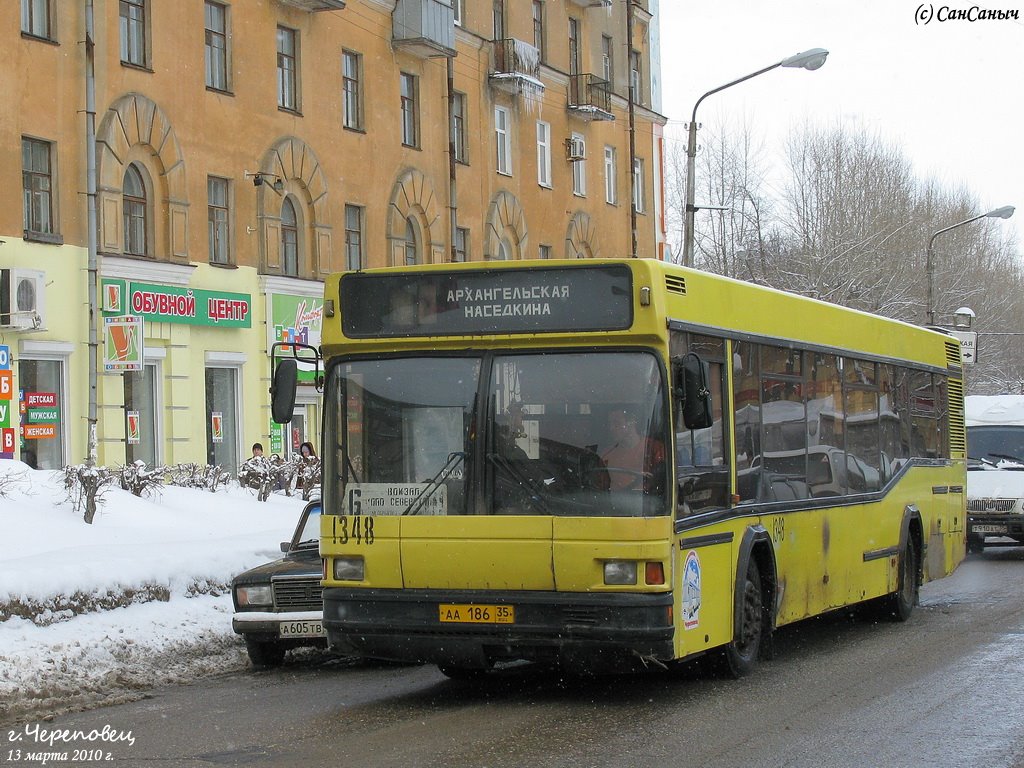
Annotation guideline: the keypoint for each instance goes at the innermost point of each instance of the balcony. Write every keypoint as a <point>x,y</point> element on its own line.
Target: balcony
<point>590,98</point>
<point>593,3</point>
<point>516,68</point>
<point>314,5</point>
<point>424,28</point>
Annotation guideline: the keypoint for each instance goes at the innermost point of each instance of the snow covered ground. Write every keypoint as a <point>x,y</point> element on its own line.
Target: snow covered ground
<point>140,598</point>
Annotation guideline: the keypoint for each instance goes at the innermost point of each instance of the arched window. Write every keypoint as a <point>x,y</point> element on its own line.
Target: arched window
<point>289,238</point>
<point>502,251</point>
<point>411,247</point>
<point>135,212</point>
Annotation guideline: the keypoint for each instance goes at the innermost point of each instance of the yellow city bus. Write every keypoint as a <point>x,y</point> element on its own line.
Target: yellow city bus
<point>612,463</point>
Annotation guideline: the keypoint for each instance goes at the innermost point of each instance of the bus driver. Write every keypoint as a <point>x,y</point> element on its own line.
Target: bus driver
<point>634,461</point>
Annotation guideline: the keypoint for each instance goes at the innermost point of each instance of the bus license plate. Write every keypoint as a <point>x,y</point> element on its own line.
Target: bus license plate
<point>301,629</point>
<point>456,613</point>
<point>989,528</point>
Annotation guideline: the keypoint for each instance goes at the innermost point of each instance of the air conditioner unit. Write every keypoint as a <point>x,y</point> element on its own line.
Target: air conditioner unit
<point>22,298</point>
<point>575,149</point>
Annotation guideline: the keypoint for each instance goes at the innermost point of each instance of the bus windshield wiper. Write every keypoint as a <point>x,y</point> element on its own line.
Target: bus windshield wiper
<point>531,487</point>
<point>454,459</point>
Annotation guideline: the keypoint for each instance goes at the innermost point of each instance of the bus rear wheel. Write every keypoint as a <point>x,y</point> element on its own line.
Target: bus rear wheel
<point>900,604</point>
<point>740,656</point>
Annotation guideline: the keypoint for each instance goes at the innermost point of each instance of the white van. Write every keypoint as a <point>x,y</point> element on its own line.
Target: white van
<point>995,477</point>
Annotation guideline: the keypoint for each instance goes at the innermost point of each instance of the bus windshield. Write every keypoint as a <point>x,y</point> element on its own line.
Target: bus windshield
<point>552,433</point>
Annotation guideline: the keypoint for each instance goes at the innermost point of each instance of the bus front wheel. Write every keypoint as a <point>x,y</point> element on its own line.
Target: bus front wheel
<point>740,656</point>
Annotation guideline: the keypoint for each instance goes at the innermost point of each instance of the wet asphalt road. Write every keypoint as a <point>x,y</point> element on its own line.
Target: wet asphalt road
<point>944,689</point>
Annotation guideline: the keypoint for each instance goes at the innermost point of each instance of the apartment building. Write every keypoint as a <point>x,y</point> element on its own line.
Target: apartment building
<point>227,156</point>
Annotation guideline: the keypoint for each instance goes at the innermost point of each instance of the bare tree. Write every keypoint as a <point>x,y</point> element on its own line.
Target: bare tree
<point>733,170</point>
<point>850,224</point>
<point>848,220</point>
<point>730,173</point>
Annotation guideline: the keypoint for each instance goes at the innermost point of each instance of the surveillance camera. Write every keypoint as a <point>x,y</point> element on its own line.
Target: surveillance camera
<point>257,180</point>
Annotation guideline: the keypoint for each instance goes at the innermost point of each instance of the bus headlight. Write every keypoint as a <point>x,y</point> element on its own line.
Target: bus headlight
<point>349,568</point>
<point>255,595</point>
<point>620,572</point>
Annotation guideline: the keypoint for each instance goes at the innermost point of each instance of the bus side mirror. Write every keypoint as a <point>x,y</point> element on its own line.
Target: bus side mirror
<point>282,391</point>
<point>691,378</point>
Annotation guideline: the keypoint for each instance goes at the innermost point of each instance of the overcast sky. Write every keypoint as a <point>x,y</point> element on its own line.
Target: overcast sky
<point>950,93</point>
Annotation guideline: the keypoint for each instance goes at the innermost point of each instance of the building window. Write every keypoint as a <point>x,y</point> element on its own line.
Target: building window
<point>461,244</point>
<point>457,11</point>
<point>499,19</point>
<point>35,18</point>
<point>579,172</point>
<point>574,46</point>
<point>289,238</point>
<point>217,190</point>
<point>48,376</point>
<point>136,213</point>
<point>504,141</point>
<point>140,406</point>
<point>217,46</point>
<point>608,61</point>
<point>636,76</point>
<point>37,186</point>
<point>351,78</point>
<point>543,154</point>
<point>353,237</point>
<point>410,111</point>
<point>544,252</point>
<point>638,185</point>
<point>287,69</point>
<point>411,246</point>
<point>459,127</point>
<point>133,32</point>
<point>538,28</point>
<point>504,251</point>
<point>610,182</point>
<point>222,437</point>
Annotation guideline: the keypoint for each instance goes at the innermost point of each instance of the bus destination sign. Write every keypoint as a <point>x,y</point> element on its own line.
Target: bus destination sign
<point>461,303</point>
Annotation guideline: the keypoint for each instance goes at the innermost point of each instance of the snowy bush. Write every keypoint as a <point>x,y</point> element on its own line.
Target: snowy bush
<point>140,481</point>
<point>9,481</point>
<point>208,477</point>
<point>85,485</point>
<point>264,475</point>
<point>307,474</point>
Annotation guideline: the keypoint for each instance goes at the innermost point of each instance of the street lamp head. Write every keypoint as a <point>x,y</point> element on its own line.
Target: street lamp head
<point>812,59</point>
<point>1001,213</point>
<point>963,317</point>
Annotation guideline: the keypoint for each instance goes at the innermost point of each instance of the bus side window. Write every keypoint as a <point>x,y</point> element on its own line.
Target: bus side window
<point>702,471</point>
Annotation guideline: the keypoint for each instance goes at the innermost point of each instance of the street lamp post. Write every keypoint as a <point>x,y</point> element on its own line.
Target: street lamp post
<point>811,60</point>
<point>999,213</point>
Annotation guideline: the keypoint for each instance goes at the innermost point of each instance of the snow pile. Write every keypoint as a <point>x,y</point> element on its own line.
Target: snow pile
<point>138,598</point>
